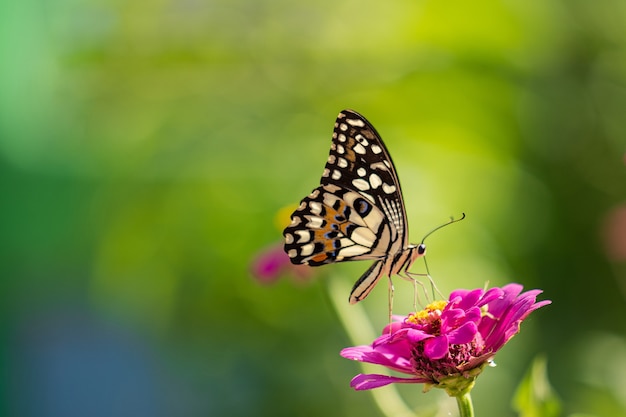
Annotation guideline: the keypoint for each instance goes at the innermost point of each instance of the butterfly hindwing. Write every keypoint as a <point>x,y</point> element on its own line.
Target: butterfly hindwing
<point>334,224</point>
<point>357,212</point>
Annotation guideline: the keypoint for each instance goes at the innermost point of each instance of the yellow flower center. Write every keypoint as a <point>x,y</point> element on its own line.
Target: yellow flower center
<point>429,314</point>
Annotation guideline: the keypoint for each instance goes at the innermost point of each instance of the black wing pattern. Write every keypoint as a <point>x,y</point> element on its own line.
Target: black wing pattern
<point>357,212</point>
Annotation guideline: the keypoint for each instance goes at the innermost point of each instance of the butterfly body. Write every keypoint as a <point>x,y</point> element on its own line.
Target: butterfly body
<point>357,212</point>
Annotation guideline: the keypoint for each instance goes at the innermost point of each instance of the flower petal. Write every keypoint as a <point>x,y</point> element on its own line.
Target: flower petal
<point>468,299</point>
<point>474,315</point>
<point>396,360</point>
<point>450,317</point>
<point>507,313</point>
<point>369,381</point>
<point>393,326</point>
<point>490,295</point>
<point>457,294</point>
<point>463,334</point>
<point>436,347</point>
<point>414,335</point>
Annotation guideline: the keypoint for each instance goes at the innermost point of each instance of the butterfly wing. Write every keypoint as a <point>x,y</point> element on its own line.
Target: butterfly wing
<point>334,224</point>
<point>357,212</point>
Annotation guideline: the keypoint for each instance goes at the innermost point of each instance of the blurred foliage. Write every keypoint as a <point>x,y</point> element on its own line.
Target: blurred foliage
<point>535,397</point>
<point>146,147</point>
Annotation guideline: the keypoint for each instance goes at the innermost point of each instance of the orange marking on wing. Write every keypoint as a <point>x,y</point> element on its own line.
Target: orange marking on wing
<point>331,218</point>
<point>318,235</point>
<point>329,246</point>
<point>319,258</point>
<point>350,155</point>
<point>343,228</point>
<point>341,211</point>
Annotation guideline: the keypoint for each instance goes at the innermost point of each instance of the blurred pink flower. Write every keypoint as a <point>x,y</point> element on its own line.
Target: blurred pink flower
<point>447,344</point>
<point>272,263</point>
<point>615,233</point>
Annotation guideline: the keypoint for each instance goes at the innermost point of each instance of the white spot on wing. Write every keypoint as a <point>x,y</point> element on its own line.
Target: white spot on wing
<point>356,219</point>
<point>342,137</point>
<point>373,219</point>
<point>380,166</point>
<point>375,181</point>
<point>340,149</point>
<point>358,148</point>
<point>331,159</point>
<point>329,199</point>
<point>376,149</point>
<point>343,127</point>
<point>336,174</point>
<point>353,250</point>
<point>342,163</point>
<point>363,236</point>
<point>316,208</point>
<point>345,242</point>
<point>288,238</point>
<point>361,184</point>
<point>307,249</point>
<point>355,122</point>
<point>353,195</point>
<point>389,189</point>
<point>330,188</point>
<point>315,222</point>
<point>361,171</point>
<point>303,236</point>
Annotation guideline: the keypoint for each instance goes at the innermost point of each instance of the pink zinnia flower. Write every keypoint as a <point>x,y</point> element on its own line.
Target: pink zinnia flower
<point>447,344</point>
<point>272,263</point>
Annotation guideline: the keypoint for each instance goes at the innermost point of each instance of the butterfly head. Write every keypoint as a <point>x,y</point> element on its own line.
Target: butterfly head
<point>417,251</point>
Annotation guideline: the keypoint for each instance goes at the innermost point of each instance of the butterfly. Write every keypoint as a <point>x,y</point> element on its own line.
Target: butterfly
<point>357,212</point>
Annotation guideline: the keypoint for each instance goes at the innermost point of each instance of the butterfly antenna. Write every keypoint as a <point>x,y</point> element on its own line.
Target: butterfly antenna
<point>452,220</point>
<point>432,283</point>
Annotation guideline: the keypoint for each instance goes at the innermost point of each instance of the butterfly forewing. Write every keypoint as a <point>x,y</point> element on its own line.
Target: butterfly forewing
<point>357,212</point>
<point>358,160</point>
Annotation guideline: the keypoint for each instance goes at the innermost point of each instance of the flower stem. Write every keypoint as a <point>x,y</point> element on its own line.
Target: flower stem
<point>464,401</point>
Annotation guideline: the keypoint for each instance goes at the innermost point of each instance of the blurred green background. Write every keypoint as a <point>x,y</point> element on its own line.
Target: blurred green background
<point>147,147</point>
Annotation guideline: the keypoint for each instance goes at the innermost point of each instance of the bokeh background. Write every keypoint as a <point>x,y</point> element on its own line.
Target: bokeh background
<point>148,150</point>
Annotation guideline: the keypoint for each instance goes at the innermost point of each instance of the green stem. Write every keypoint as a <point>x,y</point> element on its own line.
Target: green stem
<point>464,401</point>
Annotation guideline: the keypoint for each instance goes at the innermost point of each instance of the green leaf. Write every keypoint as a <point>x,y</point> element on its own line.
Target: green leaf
<point>534,396</point>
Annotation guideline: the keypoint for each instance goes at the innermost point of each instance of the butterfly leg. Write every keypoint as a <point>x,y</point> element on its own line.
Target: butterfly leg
<point>364,285</point>
<point>435,290</point>
<point>390,299</point>
<point>433,286</point>
<point>408,276</point>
